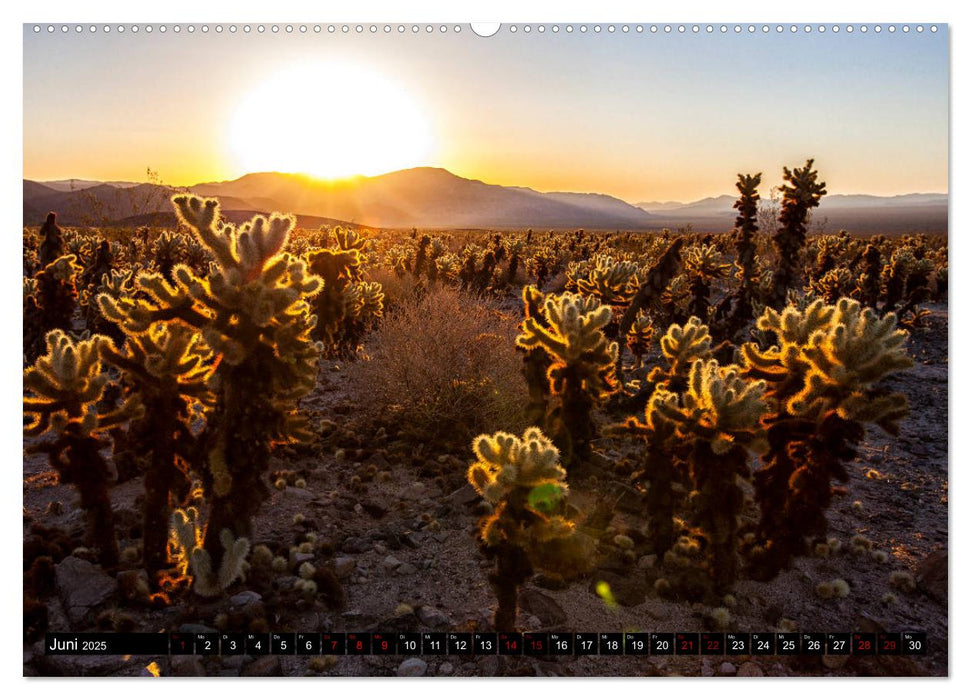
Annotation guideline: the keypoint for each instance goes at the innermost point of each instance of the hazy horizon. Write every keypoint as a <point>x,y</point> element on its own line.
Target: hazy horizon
<point>639,117</point>
<point>417,167</point>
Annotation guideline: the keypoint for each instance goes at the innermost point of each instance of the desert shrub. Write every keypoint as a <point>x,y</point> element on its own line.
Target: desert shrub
<point>397,288</point>
<point>445,364</point>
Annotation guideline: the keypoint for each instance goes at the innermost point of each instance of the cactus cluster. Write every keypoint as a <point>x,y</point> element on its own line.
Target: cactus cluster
<point>62,395</point>
<point>252,312</point>
<point>581,374</point>
<point>822,381</point>
<point>524,482</point>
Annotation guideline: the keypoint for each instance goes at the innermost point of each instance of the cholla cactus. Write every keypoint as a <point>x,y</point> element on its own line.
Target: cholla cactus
<point>523,480</point>
<point>194,560</point>
<point>800,194</point>
<point>62,393</point>
<point>746,226</point>
<point>33,323</point>
<point>56,293</point>
<point>167,251</point>
<point>639,337</point>
<point>52,240</point>
<point>542,265</point>
<point>398,259</point>
<point>167,368</point>
<point>345,306</point>
<point>363,305</point>
<point>834,284</point>
<point>610,281</point>
<point>821,377</point>
<point>207,581</point>
<point>869,284</point>
<point>717,422</point>
<point>681,346</point>
<point>703,264</point>
<point>582,373</point>
<point>448,266</point>
<point>252,311</point>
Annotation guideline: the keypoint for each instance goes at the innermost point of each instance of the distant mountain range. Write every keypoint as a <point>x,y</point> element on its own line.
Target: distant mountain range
<point>436,198</point>
<point>858,213</point>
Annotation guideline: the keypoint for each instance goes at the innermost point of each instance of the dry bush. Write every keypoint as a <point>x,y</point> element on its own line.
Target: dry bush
<point>396,289</point>
<point>445,365</point>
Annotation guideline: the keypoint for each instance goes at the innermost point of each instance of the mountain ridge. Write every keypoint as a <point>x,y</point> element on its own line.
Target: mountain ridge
<point>432,197</point>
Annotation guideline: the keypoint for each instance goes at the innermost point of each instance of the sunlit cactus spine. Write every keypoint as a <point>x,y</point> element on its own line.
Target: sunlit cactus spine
<point>62,391</point>
<point>609,280</point>
<point>536,361</point>
<point>703,265</point>
<point>717,421</point>
<point>166,368</point>
<point>833,285</point>
<point>523,480</point>
<point>801,193</point>
<point>658,469</point>
<point>339,302</point>
<point>746,229</point>
<point>681,346</point>
<point>253,312</point>
<point>639,338</point>
<point>57,293</point>
<point>582,373</point>
<point>822,379</point>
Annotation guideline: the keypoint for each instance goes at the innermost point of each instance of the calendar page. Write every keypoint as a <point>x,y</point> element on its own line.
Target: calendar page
<point>591,349</point>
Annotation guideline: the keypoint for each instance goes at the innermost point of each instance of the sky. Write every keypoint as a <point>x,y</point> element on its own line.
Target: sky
<point>640,116</point>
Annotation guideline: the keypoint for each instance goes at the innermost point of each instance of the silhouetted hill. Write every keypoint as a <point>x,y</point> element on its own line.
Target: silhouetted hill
<point>431,198</point>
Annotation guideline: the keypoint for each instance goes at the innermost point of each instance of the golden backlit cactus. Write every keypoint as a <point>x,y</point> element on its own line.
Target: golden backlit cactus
<point>746,227</point>
<point>611,281</point>
<point>346,306</point>
<point>62,391</point>
<point>582,372</point>
<point>56,296</point>
<point>659,469</point>
<point>717,422</point>
<point>252,310</point>
<point>822,378</point>
<point>801,193</point>
<point>834,284</point>
<point>187,539</point>
<point>681,346</point>
<point>703,264</point>
<point>523,480</point>
<point>168,369</point>
<point>639,337</point>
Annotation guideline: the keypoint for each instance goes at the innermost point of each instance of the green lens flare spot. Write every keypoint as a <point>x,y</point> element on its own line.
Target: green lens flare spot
<point>545,498</point>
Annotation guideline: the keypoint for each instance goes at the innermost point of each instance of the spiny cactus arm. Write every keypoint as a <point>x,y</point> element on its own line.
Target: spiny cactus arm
<point>236,551</point>
<point>655,282</point>
<point>683,344</point>
<point>261,240</point>
<point>536,334</point>
<point>202,216</point>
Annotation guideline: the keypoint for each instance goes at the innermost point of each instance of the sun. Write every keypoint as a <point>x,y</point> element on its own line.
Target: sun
<point>329,120</point>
